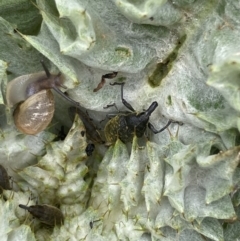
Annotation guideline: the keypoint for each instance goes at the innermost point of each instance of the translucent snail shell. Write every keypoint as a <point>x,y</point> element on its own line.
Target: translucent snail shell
<point>35,113</point>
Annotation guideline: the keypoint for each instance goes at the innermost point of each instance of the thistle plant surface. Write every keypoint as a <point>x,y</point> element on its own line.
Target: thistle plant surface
<point>181,184</point>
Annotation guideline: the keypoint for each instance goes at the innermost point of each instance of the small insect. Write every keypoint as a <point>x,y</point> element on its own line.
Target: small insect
<point>89,149</point>
<point>124,125</point>
<point>92,222</point>
<point>103,80</point>
<point>4,180</point>
<point>91,130</point>
<point>47,214</point>
<point>35,100</point>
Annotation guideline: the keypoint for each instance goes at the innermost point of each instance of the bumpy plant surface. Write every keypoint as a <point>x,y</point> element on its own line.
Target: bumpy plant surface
<point>181,184</point>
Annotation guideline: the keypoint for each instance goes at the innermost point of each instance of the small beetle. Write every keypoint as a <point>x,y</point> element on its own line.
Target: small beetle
<point>47,214</point>
<point>124,125</point>
<point>4,179</point>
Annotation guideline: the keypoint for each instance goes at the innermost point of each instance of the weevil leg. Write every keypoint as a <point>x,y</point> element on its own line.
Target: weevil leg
<point>111,105</point>
<point>178,122</point>
<point>108,116</point>
<point>110,75</point>
<point>155,131</point>
<point>123,100</point>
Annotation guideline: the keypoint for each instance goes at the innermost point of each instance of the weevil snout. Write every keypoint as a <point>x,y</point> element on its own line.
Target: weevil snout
<point>151,108</point>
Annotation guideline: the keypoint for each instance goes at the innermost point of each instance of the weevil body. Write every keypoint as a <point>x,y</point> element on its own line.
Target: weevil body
<point>125,125</point>
<point>47,214</point>
<point>4,179</point>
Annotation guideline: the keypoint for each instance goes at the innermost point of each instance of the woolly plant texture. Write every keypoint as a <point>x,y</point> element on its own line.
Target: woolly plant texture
<point>181,184</point>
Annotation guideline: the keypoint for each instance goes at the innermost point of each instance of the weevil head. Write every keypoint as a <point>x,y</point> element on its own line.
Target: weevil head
<point>138,122</point>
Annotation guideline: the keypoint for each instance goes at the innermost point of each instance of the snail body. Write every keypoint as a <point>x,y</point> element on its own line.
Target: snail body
<point>34,99</point>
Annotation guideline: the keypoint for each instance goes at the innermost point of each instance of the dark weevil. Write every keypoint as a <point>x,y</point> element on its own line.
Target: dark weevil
<point>91,130</point>
<point>4,180</point>
<point>124,125</point>
<point>47,214</point>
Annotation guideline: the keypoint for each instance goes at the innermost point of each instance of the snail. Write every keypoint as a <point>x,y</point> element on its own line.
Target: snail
<point>35,100</point>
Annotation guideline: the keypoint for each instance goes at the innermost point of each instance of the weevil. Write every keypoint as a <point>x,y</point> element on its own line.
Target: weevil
<point>47,214</point>
<point>4,179</point>
<point>124,125</point>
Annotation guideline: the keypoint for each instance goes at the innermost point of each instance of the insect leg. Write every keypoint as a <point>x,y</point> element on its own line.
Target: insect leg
<point>152,128</point>
<point>111,105</point>
<point>123,100</point>
<point>178,122</point>
<point>108,116</point>
<point>110,75</point>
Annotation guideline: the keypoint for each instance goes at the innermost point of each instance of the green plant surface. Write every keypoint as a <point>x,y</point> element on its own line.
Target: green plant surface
<point>180,184</point>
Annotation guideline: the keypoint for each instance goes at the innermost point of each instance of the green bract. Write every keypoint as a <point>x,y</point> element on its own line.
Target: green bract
<point>181,184</point>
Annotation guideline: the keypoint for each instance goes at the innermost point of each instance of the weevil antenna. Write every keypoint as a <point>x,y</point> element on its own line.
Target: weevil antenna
<point>123,100</point>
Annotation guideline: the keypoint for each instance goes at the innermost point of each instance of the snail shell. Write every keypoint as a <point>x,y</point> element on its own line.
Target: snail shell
<point>33,92</point>
<point>35,113</point>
